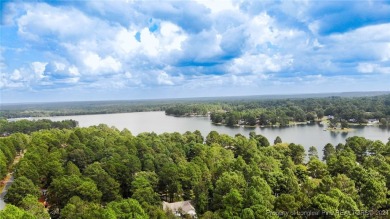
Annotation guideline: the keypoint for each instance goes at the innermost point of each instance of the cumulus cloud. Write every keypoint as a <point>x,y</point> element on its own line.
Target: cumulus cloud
<point>42,19</point>
<point>97,64</point>
<point>38,69</point>
<point>217,6</point>
<point>370,68</point>
<point>189,15</point>
<point>163,78</point>
<point>260,64</point>
<point>190,44</point>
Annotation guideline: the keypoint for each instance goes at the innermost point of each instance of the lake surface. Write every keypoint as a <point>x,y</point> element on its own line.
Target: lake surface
<point>158,122</point>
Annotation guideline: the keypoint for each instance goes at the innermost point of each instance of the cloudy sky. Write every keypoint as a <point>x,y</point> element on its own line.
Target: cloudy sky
<point>110,50</point>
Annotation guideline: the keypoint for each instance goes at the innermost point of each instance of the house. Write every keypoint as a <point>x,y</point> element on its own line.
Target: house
<point>43,198</point>
<point>372,121</point>
<point>5,134</point>
<point>330,117</point>
<point>180,208</point>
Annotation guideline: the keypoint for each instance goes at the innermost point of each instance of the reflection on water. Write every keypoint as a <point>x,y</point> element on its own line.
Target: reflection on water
<point>312,134</point>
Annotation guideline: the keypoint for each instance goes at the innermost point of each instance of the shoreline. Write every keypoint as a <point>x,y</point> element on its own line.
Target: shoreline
<point>291,123</point>
<point>339,129</point>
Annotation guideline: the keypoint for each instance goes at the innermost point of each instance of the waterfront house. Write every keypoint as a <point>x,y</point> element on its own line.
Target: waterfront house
<point>180,209</point>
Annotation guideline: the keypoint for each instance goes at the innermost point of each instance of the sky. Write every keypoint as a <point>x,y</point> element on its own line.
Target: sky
<point>124,50</point>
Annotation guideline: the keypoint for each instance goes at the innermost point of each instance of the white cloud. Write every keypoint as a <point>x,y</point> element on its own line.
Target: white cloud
<point>11,84</point>
<point>245,80</point>
<point>39,69</point>
<point>195,43</point>
<point>368,42</point>
<point>366,34</point>
<point>317,45</point>
<point>154,45</point>
<point>125,41</point>
<point>260,29</point>
<point>42,19</point>
<point>59,66</point>
<point>164,79</point>
<point>97,64</point>
<point>314,27</point>
<point>386,52</point>
<point>218,5</point>
<point>73,70</point>
<point>260,64</point>
<point>172,36</point>
<point>16,76</point>
<point>42,74</point>
<point>149,42</point>
<point>128,75</point>
<point>366,67</point>
<point>369,68</point>
<point>25,76</point>
<point>203,47</point>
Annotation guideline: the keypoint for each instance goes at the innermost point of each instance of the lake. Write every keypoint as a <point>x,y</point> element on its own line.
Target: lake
<point>158,122</point>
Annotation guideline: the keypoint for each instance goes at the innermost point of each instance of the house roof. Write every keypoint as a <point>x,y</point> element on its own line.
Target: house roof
<point>185,206</point>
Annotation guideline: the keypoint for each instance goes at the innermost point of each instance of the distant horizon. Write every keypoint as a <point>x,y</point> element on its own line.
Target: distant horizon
<point>263,96</point>
<point>52,51</point>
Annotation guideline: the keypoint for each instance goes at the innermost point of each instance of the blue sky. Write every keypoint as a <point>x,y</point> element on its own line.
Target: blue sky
<point>111,50</point>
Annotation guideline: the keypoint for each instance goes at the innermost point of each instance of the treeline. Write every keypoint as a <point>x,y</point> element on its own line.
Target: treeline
<point>80,108</point>
<point>281,112</point>
<point>101,172</point>
<point>27,126</point>
<point>192,109</point>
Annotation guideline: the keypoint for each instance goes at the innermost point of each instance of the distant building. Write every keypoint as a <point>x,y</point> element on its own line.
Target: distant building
<point>5,134</point>
<point>372,121</point>
<point>330,117</point>
<point>180,208</point>
<point>43,198</point>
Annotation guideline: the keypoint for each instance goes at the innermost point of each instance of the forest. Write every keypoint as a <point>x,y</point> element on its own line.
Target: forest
<point>26,126</point>
<point>282,112</point>
<point>102,172</point>
<point>24,110</point>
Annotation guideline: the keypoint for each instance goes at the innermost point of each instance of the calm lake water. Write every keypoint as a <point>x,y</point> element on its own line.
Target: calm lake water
<point>158,122</point>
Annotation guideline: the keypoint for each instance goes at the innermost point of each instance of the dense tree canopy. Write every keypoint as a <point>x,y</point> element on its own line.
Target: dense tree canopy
<point>101,172</point>
<point>281,112</point>
<point>28,126</point>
